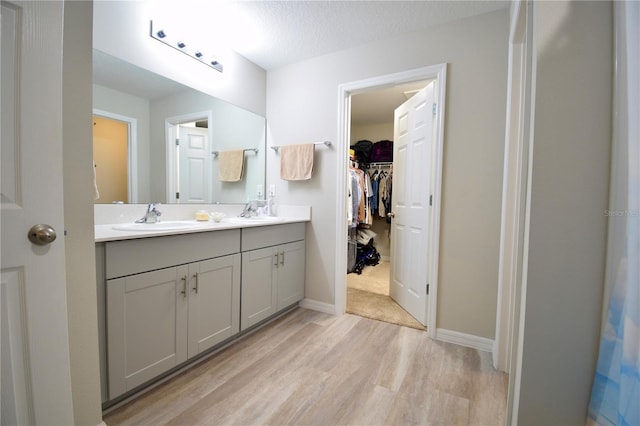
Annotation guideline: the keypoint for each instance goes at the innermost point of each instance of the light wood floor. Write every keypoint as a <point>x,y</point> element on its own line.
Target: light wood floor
<point>309,368</point>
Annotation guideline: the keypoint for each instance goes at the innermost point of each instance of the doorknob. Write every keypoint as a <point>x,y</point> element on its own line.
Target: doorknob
<point>391,215</point>
<point>42,234</point>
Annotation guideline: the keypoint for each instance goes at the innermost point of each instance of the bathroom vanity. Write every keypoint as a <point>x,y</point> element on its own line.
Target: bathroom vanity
<point>170,295</point>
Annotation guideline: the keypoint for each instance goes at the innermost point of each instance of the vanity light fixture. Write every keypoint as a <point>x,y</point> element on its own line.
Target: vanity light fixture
<point>182,46</point>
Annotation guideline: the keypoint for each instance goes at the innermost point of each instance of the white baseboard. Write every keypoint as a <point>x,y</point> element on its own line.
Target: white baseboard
<point>314,305</point>
<point>462,339</point>
<point>102,423</point>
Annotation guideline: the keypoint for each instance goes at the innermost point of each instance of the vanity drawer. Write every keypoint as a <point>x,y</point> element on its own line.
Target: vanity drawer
<point>272,235</point>
<point>129,257</point>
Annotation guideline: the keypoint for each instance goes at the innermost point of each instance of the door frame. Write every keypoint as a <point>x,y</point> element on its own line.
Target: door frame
<point>516,207</point>
<point>436,72</point>
<point>132,150</point>
<point>171,161</point>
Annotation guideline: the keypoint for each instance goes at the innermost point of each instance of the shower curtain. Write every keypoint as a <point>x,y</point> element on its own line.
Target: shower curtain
<point>615,396</point>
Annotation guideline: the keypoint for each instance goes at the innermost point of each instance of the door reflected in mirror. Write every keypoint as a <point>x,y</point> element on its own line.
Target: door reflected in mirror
<point>161,165</point>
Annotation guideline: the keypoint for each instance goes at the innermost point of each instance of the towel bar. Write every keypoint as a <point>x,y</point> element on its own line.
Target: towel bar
<point>325,143</point>
<point>255,150</point>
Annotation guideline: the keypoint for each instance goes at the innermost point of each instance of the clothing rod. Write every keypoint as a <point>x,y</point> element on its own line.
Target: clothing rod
<point>325,143</point>
<point>255,150</point>
<point>379,163</point>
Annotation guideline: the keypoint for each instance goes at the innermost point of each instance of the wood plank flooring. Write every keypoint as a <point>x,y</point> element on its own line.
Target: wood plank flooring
<point>309,368</point>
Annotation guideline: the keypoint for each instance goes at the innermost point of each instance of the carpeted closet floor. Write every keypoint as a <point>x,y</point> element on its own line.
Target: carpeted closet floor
<point>368,296</point>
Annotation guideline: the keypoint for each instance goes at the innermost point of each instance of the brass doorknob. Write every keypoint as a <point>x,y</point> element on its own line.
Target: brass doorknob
<point>42,234</point>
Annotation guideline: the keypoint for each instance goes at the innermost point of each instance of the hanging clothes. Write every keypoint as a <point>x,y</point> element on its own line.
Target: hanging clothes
<point>355,197</point>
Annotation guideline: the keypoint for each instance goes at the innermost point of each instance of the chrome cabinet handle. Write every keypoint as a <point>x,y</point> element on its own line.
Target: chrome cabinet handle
<point>184,286</point>
<point>275,262</point>
<point>282,259</point>
<point>196,276</point>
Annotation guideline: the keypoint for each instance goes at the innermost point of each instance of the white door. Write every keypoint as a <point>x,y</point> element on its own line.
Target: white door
<point>410,199</point>
<point>35,372</point>
<point>195,165</point>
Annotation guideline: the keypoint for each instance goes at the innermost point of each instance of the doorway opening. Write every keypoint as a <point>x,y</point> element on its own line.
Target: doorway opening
<point>115,157</point>
<point>369,253</point>
<point>348,133</point>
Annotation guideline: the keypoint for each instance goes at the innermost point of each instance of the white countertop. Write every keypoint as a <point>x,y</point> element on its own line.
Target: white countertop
<point>109,216</point>
<point>107,233</point>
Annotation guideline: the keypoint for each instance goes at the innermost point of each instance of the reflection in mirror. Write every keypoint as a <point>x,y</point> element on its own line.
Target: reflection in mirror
<point>155,139</point>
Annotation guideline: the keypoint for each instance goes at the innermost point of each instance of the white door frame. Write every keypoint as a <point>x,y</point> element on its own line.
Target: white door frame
<point>439,73</point>
<point>132,150</point>
<point>516,202</point>
<point>170,137</point>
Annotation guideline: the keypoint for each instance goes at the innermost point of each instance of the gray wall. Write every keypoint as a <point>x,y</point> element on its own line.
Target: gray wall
<point>569,193</point>
<point>302,105</point>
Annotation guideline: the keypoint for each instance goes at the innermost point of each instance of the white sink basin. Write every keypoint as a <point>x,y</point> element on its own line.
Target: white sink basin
<point>254,220</point>
<point>159,226</point>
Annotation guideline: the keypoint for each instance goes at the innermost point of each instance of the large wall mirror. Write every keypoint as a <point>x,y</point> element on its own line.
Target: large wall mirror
<point>156,140</point>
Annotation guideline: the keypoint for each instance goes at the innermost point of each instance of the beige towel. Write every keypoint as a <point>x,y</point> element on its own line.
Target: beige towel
<point>231,165</point>
<point>296,161</point>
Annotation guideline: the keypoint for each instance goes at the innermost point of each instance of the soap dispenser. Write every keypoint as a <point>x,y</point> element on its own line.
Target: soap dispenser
<point>271,201</point>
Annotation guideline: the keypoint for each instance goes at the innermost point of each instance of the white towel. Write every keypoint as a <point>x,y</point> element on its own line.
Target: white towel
<point>231,165</point>
<point>296,161</point>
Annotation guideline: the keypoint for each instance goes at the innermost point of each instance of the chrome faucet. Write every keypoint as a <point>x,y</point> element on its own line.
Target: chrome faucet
<point>153,214</point>
<point>249,210</point>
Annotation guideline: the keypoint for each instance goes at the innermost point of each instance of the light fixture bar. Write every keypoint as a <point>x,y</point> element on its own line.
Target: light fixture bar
<point>183,46</point>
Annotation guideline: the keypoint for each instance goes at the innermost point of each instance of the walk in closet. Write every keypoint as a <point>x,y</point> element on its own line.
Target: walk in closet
<point>369,192</point>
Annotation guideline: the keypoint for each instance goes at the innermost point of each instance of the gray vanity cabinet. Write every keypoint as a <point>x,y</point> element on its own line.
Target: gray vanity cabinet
<point>165,300</point>
<point>273,259</point>
<point>290,271</point>
<point>146,327</point>
<point>160,318</point>
<point>214,302</point>
<point>259,275</point>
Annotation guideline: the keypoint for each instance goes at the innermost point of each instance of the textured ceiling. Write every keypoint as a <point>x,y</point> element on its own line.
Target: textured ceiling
<point>275,33</point>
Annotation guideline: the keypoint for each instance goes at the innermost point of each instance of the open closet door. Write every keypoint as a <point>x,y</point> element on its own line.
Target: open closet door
<point>410,199</point>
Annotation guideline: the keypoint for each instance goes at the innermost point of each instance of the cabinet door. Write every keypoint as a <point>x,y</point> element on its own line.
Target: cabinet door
<point>146,326</point>
<point>258,285</point>
<point>291,262</point>
<point>214,302</point>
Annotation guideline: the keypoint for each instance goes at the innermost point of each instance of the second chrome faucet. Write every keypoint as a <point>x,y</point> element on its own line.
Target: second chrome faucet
<point>152,215</point>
